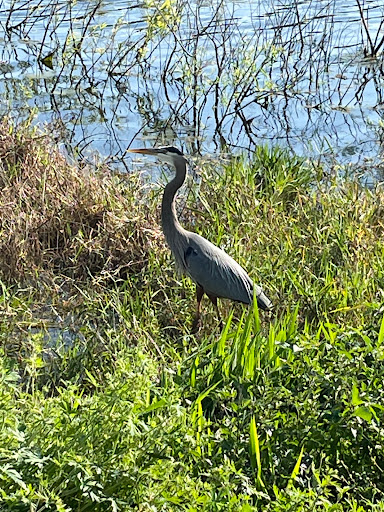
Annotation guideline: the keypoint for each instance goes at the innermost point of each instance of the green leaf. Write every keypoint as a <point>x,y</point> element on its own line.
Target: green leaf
<point>14,475</point>
<point>356,396</point>
<point>296,469</point>
<point>91,378</point>
<point>205,393</point>
<point>254,448</point>
<point>220,348</point>
<point>195,364</point>
<point>256,316</point>
<point>364,413</point>
<point>48,60</point>
<point>154,406</point>
<point>381,333</point>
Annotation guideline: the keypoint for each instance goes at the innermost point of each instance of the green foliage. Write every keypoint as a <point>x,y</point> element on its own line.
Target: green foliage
<point>161,19</point>
<point>107,402</point>
<point>299,394</point>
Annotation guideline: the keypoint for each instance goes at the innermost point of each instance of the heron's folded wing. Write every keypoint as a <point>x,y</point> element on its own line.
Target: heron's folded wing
<point>217,273</point>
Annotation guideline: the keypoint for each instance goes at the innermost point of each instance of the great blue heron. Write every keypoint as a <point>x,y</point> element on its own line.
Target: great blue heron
<point>215,273</point>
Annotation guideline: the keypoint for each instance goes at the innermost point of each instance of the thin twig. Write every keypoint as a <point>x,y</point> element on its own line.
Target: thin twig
<point>365,25</point>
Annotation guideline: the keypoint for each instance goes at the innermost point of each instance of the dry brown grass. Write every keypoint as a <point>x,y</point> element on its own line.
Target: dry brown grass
<point>58,218</point>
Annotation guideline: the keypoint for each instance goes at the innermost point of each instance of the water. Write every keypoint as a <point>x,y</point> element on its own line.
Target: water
<point>228,76</point>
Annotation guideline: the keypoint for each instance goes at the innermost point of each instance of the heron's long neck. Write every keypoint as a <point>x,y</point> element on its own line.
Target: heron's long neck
<point>169,219</point>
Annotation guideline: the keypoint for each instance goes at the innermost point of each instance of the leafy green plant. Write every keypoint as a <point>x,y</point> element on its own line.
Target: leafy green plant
<point>108,402</point>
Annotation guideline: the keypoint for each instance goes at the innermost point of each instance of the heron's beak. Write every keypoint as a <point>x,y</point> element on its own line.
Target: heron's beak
<point>146,151</point>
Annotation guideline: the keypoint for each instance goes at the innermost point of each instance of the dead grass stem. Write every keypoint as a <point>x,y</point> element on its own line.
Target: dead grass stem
<point>58,217</point>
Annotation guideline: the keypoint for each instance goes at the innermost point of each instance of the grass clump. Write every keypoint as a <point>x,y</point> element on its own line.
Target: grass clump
<point>59,218</point>
<point>107,401</point>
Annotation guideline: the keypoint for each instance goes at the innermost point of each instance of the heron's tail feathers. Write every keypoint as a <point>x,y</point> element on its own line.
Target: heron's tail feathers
<point>262,300</point>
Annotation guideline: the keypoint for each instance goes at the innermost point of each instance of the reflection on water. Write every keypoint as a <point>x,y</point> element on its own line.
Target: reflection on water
<point>213,75</point>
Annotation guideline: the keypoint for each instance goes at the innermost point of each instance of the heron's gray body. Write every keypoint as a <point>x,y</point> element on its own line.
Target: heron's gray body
<point>215,273</point>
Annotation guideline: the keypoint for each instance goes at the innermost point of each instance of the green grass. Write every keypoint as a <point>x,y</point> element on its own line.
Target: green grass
<point>107,402</point>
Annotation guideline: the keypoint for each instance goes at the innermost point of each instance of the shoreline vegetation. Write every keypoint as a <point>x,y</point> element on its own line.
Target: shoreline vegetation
<point>107,402</point>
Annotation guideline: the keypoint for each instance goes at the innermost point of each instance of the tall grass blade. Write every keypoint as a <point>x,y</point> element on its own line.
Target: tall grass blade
<point>296,469</point>
<point>254,449</point>
<point>256,315</point>
<point>271,342</point>
<point>381,333</point>
<point>220,347</point>
<point>292,327</point>
<point>195,364</point>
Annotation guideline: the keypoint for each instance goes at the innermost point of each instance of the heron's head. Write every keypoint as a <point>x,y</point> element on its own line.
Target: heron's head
<point>167,154</point>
